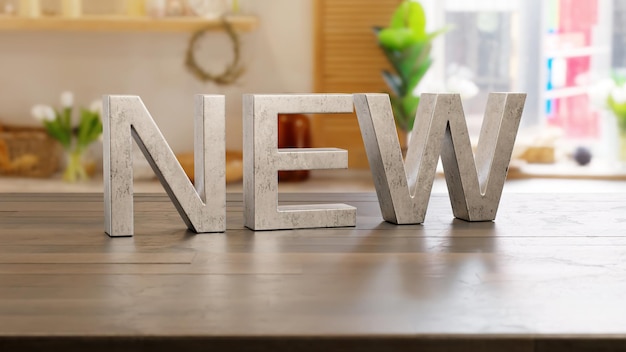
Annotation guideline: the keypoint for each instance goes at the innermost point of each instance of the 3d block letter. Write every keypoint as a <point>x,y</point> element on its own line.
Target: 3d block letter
<point>263,159</point>
<point>475,186</point>
<point>126,116</point>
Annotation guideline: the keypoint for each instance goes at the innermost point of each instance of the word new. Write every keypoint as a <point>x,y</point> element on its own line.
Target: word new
<point>403,186</point>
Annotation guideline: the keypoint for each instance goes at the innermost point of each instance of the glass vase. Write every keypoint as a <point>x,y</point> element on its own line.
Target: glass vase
<point>621,155</point>
<point>74,167</point>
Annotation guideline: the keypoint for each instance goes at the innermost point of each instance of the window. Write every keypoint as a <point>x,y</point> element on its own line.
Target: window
<point>554,50</point>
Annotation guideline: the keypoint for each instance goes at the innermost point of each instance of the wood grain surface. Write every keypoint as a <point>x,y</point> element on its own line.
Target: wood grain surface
<point>548,275</point>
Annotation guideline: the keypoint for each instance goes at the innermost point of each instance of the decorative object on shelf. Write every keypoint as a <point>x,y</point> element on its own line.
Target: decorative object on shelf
<point>539,154</point>
<point>72,8</point>
<point>611,94</point>
<point>8,9</point>
<point>175,8</point>
<point>539,146</point>
<point>156,8</point>
<point>75,140</point>
<point>407,46</point>
<point>30,8</point>
<point>211,9</point>
<point>582,155</point>
<point>136,8</point>
<point>231,73</point>
<point>27,152</point>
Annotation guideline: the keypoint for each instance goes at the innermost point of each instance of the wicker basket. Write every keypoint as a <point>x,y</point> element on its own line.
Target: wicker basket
<point>28,152</point>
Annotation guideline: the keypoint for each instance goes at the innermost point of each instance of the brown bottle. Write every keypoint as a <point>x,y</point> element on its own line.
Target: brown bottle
<point>294,131</point>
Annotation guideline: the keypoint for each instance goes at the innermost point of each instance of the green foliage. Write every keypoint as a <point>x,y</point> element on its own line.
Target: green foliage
<point>619,110</point>
<point>407,46</point>
<point>619,78</point>
<point>618,107</point>
<point>88,130</point>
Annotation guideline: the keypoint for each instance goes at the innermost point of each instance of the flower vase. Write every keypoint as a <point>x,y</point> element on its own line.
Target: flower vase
<point>74,167</point>
<point>622,147</point>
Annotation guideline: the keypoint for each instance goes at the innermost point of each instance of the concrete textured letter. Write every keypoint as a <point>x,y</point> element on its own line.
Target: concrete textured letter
<point>263,159</point>
<point>475,186</point>
<point>125,116</point>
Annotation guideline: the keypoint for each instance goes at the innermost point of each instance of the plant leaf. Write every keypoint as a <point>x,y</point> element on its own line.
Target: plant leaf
<point>57,132</point>
<point>399,17</point>
<point>409,105</point>
<point>410,58</point>
<point>395,38</point>
<point>394,83</point>
<point>82,127</point>
<point>424,55</point>
<point>417,20</point>
<point>393,58</point>
<point>410,15</point>
<point>89,129</point>
<point>619,110</point>
<point>398,113</point>
<point>417,76</point>
<point>407,46</point>
<point>432,35</point>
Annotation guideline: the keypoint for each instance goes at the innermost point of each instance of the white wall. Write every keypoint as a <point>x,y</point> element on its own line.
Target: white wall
<point>36,66</point>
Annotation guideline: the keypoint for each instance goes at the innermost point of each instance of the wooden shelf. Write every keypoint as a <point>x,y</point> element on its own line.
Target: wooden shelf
<point>124,24</point>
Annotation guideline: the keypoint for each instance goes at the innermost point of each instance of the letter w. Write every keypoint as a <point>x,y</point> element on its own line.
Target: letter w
<point>475,185</point>
<point>203,209</point>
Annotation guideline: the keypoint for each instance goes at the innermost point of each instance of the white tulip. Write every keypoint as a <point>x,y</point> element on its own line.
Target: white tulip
<point>96,107</point>
<point>67,99</point>
<point>619,95</point>
<point>49,113</point>
<point>599,92</point>
<point>36,112</point>
<point>43,113</point>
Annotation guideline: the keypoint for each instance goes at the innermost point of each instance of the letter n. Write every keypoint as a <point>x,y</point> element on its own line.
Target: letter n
<point>126,116</point>
<point>474,185</point>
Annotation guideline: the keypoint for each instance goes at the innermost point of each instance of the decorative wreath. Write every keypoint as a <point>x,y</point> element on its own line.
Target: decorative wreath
<point>233,71</point>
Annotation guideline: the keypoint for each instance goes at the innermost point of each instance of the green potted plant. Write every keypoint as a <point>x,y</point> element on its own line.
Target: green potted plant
<point>407,45</point>
<point>75,138</point>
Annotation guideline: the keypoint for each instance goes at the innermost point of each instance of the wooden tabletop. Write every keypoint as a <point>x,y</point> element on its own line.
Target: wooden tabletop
<point>548,275</point>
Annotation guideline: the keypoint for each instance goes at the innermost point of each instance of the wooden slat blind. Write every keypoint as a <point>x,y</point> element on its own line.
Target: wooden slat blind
<point>347,60</point>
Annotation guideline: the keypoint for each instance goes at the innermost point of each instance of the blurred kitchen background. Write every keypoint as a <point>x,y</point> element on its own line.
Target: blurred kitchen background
<point>563,53</point>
